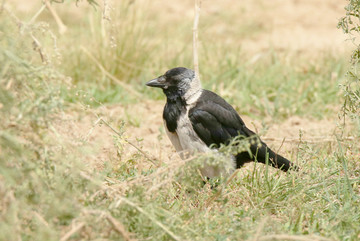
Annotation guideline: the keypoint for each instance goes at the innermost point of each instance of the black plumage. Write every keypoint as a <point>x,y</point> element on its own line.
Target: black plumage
<point>200,119</point>
<point>173,108</point>
<point>216,122</point>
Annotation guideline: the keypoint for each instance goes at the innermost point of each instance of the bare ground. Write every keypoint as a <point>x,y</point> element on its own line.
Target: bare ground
<point>103,146</point>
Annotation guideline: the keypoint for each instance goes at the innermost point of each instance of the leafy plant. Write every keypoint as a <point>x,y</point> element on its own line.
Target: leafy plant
<point>350,24</point>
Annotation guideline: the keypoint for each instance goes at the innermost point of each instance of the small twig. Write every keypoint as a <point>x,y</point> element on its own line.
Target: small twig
<point>293,237</point>
<point>41,219</point>
<point>37,47</point>
<point>130,143</point>
<point>217,194</point>
<point>282,143</point>
<point>157,186</point>
<point>36,43</point>
<point>162,226</point>
<point>260,228</point>
<point>61,25</point>
<point>72,231</point>
<point>37,14</point>
<point>13,16</point>
<point>112,77</point>
<point>309,140</point>
<point>276,154</point>
<point>119,227</point>
<point>168,170</point>
<point>86,138</point>
<point>195,37</point>
<point>106,11</point>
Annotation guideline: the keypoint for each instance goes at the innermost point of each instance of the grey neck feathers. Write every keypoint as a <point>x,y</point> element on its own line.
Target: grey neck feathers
<point>194,92</point>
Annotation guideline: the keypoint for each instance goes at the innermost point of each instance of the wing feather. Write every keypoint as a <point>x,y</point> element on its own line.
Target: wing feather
<point>216,124</point>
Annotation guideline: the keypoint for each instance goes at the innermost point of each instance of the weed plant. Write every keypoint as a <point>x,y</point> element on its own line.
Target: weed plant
<point>351,87</point>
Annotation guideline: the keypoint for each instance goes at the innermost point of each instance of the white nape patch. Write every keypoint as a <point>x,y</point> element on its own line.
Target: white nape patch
<point>194,92</point>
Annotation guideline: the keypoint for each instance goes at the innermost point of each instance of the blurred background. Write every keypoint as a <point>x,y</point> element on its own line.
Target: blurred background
<point>281,57</point>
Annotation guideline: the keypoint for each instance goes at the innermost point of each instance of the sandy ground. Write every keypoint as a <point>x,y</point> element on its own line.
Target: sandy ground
<point>102,143</point>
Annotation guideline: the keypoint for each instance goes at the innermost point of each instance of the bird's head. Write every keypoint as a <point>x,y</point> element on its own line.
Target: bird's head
<point>178,80</point>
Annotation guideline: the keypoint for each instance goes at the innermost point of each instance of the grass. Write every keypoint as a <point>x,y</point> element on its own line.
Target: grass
<point>54,185</point>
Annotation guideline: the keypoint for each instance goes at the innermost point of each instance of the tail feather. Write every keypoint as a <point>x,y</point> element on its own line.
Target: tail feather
<point>264,154</point>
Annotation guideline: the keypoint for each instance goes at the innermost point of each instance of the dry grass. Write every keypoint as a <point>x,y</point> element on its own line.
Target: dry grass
<point>87,158</point>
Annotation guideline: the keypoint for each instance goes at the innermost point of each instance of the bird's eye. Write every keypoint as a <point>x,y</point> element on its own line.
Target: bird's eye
<point>162,79</point>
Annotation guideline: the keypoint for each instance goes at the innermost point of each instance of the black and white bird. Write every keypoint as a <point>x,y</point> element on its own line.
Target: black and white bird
<point>199,120</point>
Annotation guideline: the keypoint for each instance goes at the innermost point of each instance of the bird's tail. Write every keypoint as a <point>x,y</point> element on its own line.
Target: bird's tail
<point>265,155</point>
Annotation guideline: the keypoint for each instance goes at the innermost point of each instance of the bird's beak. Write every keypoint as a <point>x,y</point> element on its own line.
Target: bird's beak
<point>158,82</point>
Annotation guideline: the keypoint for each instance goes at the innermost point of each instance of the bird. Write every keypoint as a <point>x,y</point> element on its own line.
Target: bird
<point>199,120</point>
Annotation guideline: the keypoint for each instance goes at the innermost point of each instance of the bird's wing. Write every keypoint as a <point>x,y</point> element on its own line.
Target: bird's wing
<point>217,123</point>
